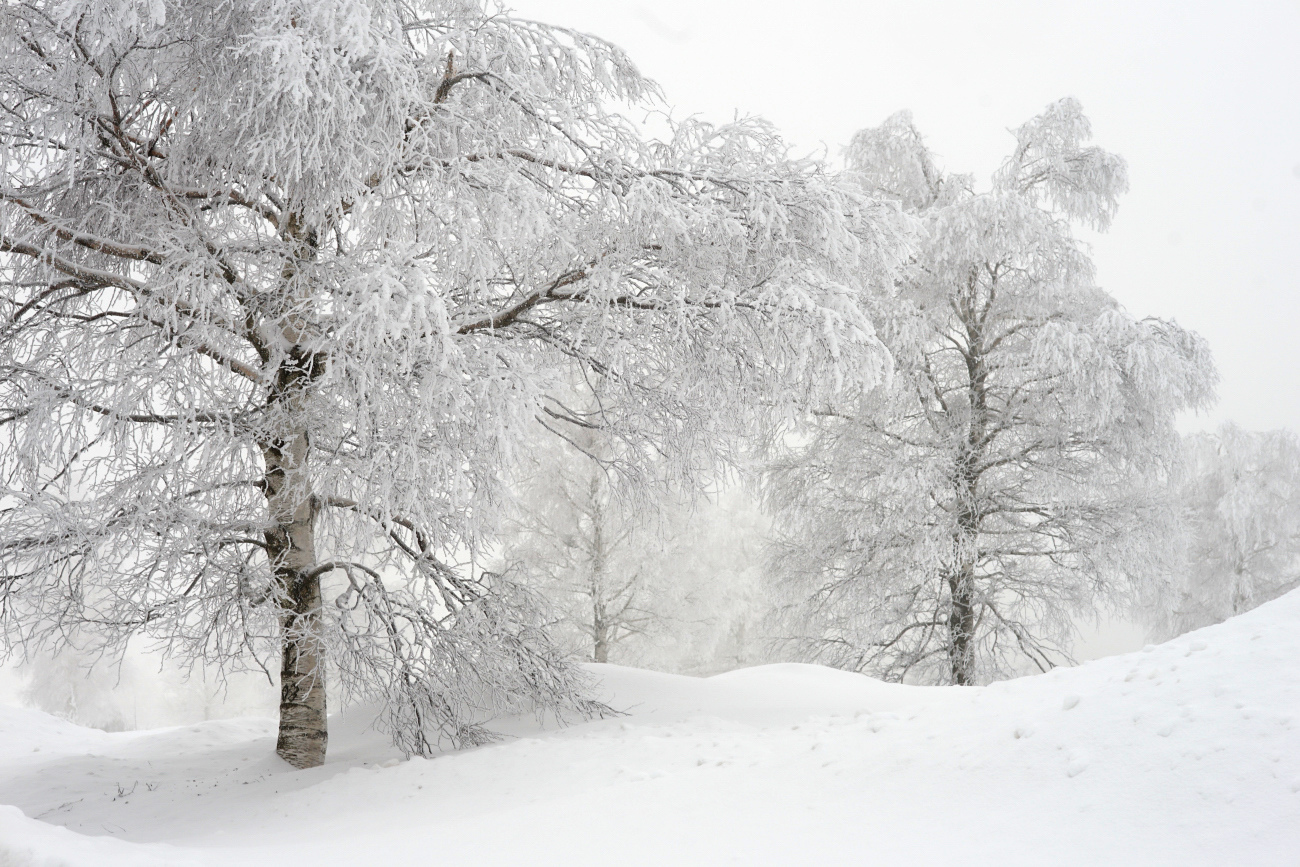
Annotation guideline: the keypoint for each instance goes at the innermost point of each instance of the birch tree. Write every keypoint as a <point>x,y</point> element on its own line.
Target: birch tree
<point>667,581</point>
<point>949,528</point>
<point>283,285</point>
<point>1240,499</point>
<point>585,549</point>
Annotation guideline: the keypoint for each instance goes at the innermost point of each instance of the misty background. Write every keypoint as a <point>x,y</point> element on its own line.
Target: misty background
<point>1199,98</point>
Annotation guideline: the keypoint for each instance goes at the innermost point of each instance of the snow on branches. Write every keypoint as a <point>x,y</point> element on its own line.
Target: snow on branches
<point>285,283</point>
<point>1239,492</point>
<point>947,529</point>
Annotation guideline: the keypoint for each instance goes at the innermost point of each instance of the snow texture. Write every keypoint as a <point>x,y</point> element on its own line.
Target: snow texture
<point>1187,753</point>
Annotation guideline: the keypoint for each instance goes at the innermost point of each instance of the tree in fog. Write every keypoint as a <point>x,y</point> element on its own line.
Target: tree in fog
<point>1240,501</point>
<point>586,550</point>
<point>284,284</point>
<point>660,579</point>
<point>948,528</point>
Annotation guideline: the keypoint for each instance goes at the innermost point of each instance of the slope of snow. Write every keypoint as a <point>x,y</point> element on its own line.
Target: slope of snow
<point>1182,754</point>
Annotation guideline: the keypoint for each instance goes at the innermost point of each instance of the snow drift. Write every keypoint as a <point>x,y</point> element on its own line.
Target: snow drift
<point>1186,753</point>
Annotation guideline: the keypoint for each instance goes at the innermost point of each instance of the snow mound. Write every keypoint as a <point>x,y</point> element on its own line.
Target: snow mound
<point>1187,753</point>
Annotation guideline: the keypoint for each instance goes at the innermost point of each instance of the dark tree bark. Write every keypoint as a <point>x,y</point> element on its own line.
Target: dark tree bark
<point>961,629</point>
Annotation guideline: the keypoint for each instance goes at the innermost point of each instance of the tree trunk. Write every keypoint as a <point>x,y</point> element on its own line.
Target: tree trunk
<point>961,580</point>
<point>961,627</point>
<point>291,537</point>
<point>303,734</point>
<point>972,309</point>
<point>961,585</point>
<point>292,549</point>
<point>600,625</point>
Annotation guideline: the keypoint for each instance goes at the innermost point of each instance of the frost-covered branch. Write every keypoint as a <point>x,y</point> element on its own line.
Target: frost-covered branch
<point>1017,473</point>
<point>351,251</point>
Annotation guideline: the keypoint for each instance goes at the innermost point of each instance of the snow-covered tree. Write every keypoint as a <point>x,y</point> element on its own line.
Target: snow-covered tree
<point>718,564</point>
<point>668,581</point>
<point>1240,500</point>
<point>586,549</point>
<point>283,283</point>
<point>949,528</point>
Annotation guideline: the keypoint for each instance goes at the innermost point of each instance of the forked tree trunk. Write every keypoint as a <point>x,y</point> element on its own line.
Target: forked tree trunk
<point>292,549</point>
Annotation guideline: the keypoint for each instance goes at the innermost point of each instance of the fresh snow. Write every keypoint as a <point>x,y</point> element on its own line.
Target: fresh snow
<point>1183,754</point>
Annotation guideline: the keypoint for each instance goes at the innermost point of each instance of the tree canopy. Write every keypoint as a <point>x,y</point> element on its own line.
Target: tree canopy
<point>1239,496</point>
<point>284,283</point>
<point>948,528</point>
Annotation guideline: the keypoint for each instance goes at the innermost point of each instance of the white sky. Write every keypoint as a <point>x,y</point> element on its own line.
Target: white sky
<point>1202,99</point>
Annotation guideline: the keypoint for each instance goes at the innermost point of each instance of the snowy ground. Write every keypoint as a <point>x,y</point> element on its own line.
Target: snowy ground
<point>1183,754</point>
